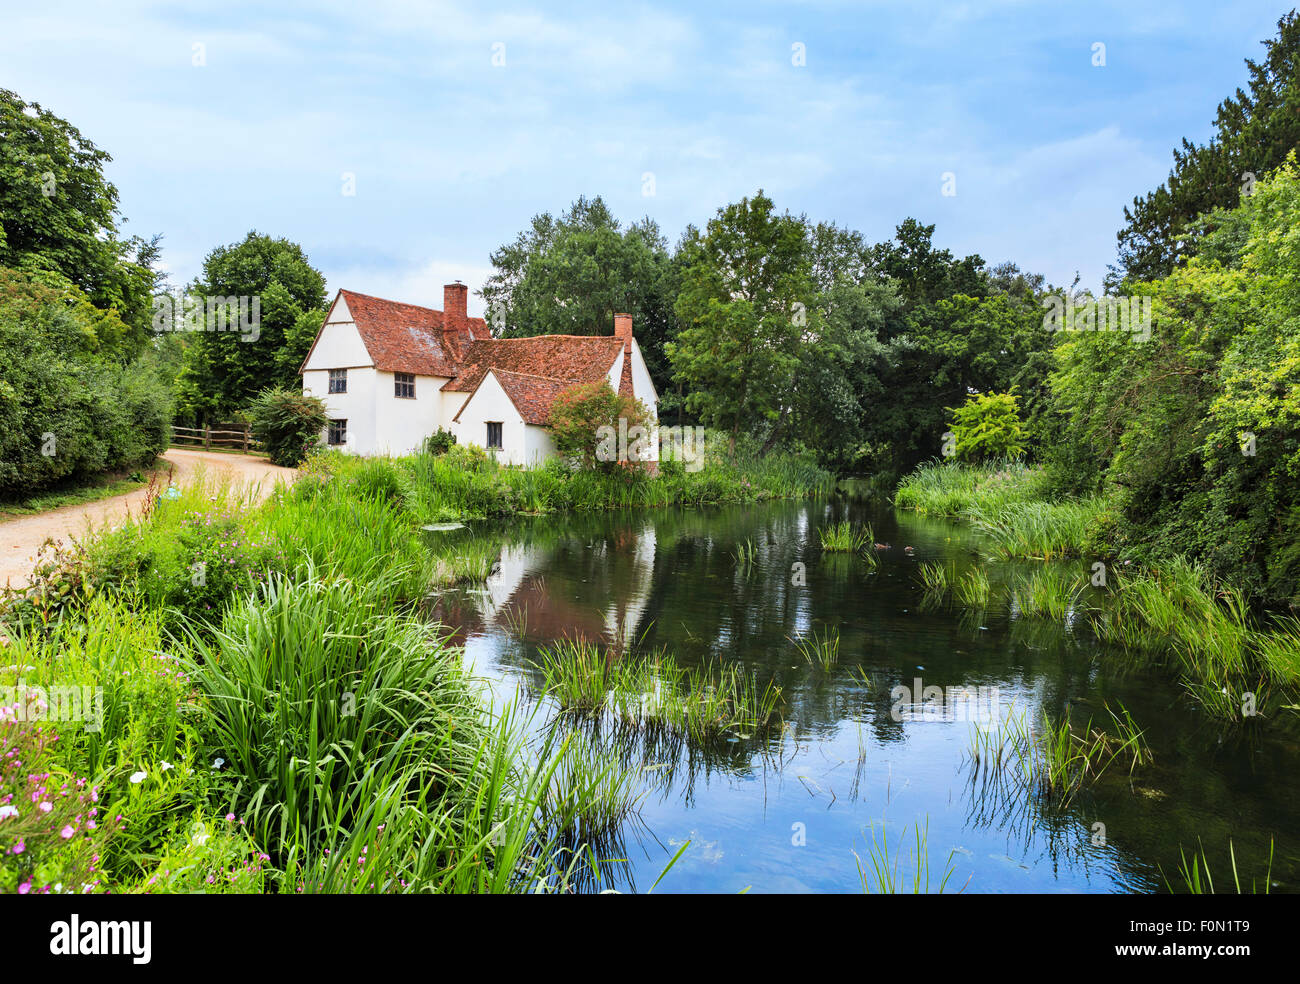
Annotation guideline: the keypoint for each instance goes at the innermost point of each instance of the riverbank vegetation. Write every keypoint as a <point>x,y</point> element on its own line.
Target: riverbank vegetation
<point>268,663</point>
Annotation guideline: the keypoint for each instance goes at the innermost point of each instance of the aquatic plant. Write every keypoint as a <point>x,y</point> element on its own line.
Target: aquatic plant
<point>1197,879</point>
<point>972,590</point>
<point>845,537</point>
<point>820,648</point>
<point>882,874</point>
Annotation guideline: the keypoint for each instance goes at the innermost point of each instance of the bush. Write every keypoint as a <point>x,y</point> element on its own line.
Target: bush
<point>439,442</point>
<point>583,417</point>
<point>288,423</point>
<point>69,405</point>
<point>988,426</point>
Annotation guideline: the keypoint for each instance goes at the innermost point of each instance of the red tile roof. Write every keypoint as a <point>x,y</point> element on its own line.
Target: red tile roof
<point>405,337</point>
<point>577,358</point>
<point>531,395</point>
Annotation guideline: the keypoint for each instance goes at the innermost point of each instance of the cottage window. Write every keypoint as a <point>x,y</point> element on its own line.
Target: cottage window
<point>404,385</point>
<point>338,432</point>
<point>338,380</point>
<point>494,434</point>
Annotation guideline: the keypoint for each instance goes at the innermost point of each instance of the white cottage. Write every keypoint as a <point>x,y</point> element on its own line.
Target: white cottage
<point>391,374</point>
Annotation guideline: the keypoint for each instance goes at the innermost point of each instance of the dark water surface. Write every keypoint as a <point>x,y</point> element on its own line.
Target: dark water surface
<point>787,812</point>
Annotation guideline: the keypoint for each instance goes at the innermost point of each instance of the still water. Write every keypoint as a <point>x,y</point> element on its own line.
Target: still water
<point>797,810</point>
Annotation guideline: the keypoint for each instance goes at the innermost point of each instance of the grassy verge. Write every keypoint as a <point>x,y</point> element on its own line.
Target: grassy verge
<point>242,696</point>
<point>1007,504</point>
<point>80,493</point>
<point>466,484</point>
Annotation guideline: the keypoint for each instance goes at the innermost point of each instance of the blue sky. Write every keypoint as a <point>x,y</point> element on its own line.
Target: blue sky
<point>452,154</point>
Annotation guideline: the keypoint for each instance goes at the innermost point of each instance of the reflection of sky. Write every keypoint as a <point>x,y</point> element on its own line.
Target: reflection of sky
<point>845,767</point>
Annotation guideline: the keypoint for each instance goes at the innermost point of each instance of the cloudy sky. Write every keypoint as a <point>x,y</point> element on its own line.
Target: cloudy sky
<point>456,124</point>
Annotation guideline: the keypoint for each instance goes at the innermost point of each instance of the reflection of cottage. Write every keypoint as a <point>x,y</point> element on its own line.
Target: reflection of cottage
<point>523,591</point>
<point>391,374</point>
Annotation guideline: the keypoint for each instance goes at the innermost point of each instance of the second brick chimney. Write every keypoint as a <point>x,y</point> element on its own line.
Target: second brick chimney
<point>623,330</point>
<point>455,314</point>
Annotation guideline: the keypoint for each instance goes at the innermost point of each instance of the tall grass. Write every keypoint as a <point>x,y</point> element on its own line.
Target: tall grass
<point>1198,880</point>
<point>972,590</point>
<point>654,692</point>
<point>1050,591</point>
<point>820,648</point>
<point>845,537</point>
<point>1054,760</point>
<point>881,872</point>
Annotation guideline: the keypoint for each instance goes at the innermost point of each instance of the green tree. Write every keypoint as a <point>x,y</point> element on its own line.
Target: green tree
<point>988,426</point>
<point>569,276</point>
<point>747,299</point>
<point>583,416</point>
<point>225,370</point>
<point>59,217</point>
<point>1255,129</point>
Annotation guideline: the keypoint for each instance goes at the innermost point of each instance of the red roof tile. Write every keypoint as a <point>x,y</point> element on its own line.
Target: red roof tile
<point>531,395</point>
<point>576,358</point>
<point>532,371</point>
<point>406,337</point>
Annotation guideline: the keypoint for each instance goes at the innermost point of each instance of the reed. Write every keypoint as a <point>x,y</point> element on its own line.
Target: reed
<point>845,537</point>
<point>820,648</point>
<point>882,873</point>
<point>936,577</point>
<point>1198,880</point>
<point>1050,592</point>
<point>654,692</point>
<point>972,590</point>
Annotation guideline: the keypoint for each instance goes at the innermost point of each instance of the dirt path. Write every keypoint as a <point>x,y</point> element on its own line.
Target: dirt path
<point>21,538</point>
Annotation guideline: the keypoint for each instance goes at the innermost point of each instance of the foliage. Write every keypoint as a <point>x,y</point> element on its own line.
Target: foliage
<point>570,275</point>
<point>289,423</point>
<point>439,442</point>
<point>988,426</point>
<point>1197,431</point>
<point>744,304</point>
<point>225,370</point>
<point>69,407</point>
<point>1255,129</point>
<point>583,416</point>
<point>59,217</point>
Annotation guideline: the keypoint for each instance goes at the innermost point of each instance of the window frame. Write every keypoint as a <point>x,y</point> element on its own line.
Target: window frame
<point>501,442</point>
<point>399,383</point>
<point>341,430</point>
<point>342,378</point>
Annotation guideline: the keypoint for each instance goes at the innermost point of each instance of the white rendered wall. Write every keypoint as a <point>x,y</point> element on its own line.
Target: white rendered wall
<point>401,424</point>
<point>538,445</point>
<point>356,406</point>
<point>490,402</point>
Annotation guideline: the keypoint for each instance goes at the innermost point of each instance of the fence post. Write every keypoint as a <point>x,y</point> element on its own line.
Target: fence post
<point>207,438</point>
<point>245,439</point>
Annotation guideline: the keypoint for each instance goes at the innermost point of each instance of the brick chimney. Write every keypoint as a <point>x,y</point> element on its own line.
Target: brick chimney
<point>455,314</point>
<point>623,330</point>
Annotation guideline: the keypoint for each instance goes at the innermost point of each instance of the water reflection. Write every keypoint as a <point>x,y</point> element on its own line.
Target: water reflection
<point>671,578</point>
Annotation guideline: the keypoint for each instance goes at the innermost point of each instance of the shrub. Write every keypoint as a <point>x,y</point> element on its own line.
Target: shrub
<point>584,416</point>
<point>288,423</point>
<point>69,405</point>
<point>988,426</point>
<point>439,442</point>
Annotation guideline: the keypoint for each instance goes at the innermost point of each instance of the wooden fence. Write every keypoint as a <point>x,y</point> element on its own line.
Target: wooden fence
<point>230,437</point>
